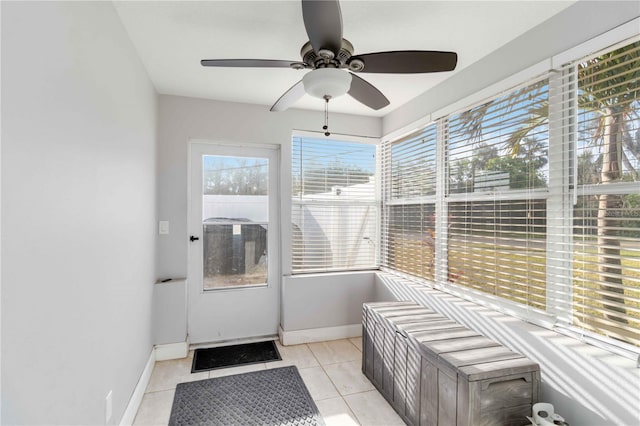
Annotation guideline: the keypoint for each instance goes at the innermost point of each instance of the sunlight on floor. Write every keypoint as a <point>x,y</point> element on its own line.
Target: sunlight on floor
<point>332,372</point>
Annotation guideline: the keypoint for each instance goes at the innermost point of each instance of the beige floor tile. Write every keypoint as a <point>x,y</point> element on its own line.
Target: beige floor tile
<point>155,408</point>
<point>167,374</point>
<point>220,372</point>
<point>318,383</point>
<point>370,408</point>
<point>329,370</point>
<point>298,355</point>
<point>357,341</point>
<point>348,378</point>
<point>335,351</point>
<point>336,412</point>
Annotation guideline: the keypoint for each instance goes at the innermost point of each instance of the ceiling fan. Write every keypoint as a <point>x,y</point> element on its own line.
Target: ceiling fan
<point>329,56</point>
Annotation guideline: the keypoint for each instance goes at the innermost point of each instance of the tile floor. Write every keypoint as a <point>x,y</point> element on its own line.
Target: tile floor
<point>330,370</point>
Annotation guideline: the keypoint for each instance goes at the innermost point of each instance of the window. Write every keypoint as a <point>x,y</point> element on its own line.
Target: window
<point>409,216</point>
<point>235,219</point>
<point>498,247</point>
<point>334,210</point>
<point>531,199</point>
<point>606,216</point>
<point>496,197</point>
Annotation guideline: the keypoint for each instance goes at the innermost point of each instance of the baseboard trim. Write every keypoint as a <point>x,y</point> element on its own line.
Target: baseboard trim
<point>172,351</point>
<point>297,337</point>
<point>136,398</point>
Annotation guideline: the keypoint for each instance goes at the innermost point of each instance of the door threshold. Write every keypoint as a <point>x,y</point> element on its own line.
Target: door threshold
<point>233,341</point>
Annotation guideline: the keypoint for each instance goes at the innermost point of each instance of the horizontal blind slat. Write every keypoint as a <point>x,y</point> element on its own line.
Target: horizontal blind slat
<point>334,208</point>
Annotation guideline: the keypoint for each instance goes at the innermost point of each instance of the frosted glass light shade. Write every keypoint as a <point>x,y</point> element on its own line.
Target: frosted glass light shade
<point>326,82</point>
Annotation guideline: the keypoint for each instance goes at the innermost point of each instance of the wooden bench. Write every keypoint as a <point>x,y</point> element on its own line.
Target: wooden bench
<point>435,371</point>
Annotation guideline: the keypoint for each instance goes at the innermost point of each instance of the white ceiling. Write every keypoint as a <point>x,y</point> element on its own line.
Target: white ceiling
<point>171,38</point>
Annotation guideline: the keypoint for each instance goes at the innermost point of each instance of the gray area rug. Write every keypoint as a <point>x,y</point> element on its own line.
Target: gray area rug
<point>267,397</point>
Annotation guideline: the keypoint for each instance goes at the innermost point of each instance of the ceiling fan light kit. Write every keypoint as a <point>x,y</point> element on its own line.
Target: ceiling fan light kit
<point>330,82</point>
<point>332,62</point>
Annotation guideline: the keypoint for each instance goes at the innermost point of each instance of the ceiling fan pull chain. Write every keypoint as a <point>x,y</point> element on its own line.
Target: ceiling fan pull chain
<point>326,115</point>
<point>327,54</point>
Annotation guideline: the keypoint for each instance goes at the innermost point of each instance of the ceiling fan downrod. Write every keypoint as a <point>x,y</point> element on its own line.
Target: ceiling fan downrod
<point>327,52</point>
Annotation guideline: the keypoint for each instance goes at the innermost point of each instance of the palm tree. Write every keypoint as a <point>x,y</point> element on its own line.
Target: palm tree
<point>609,89</point>
<point>608,94</point>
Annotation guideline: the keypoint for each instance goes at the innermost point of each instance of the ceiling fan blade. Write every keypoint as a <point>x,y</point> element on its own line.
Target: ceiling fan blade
<point>323,22</point>
<point>289,98</point>
<point>408,61</point>
<point>252,63</point>
<point>364,92</point>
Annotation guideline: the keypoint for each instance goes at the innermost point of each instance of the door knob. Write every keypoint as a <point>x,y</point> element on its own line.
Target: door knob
<point>193,238</point>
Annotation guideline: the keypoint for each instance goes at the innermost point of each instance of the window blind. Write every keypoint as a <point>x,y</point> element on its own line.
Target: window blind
<point>409,216</point>
<point>496,197</point>
<point>606,215</point>
<point>536,198</point>
<point>413,165</point>
<point>498,247</point>
<point>334,211</point>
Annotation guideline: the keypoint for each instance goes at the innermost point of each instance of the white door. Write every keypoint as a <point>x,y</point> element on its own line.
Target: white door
<point>234,277</point>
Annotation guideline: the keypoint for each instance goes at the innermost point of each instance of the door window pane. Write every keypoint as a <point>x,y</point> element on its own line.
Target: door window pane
<point>234,221</point>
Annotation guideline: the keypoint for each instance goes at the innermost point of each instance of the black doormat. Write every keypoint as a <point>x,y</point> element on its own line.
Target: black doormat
<point>275,396</point>
<point>230,356</point>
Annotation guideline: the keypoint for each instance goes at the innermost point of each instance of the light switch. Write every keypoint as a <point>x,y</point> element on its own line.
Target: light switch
<point>163,227</point>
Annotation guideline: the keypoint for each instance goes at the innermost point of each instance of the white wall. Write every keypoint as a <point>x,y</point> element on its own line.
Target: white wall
<point>326,300</point>
<point>587,386</point>
<point>78,213</point>
<point>170,312</point>
<point>183,119</point>
<point>79,122</point>
<point>578,23</point>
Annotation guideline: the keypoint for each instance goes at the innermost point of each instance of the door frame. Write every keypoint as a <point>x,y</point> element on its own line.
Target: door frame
<point>196,296</point>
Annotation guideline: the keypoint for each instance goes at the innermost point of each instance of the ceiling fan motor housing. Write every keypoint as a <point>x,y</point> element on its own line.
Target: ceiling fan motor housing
<point>325,58</point>
<point>334,69</point>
